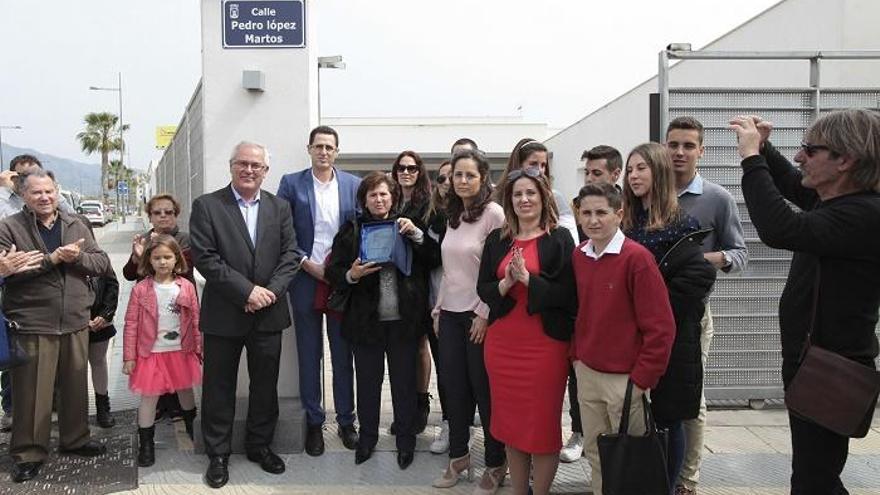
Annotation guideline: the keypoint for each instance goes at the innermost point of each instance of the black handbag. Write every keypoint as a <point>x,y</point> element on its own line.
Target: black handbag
<point>634,465</point>
<point>831,390</point>
<point>337,300</point>
<point>11,352</point>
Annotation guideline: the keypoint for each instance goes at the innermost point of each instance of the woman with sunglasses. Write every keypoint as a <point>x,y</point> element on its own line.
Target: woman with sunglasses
<point>652,217</point>
<point>435,219</point>
<point>163,210</point>
<point>408,171</point>
<point>462,320</point>
<point>527,280</point>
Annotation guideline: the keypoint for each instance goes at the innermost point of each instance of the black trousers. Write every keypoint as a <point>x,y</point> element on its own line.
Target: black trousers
<point>574,409</point>
<point>435,355</point>
<point>220,376</point>
<point>818,458</point>
<point>463,374</point>
<point>369,362</point>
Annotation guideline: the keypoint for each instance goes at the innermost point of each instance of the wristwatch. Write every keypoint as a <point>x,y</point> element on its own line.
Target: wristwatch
<point>728,261</point>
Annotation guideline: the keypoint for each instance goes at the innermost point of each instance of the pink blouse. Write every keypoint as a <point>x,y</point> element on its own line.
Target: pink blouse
<point>462,249</point>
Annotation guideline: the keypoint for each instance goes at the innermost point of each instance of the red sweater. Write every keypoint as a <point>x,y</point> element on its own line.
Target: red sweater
<point>624,322</point>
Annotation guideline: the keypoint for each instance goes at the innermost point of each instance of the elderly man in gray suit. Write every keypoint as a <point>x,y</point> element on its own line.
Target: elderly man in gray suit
<point>244,245</point>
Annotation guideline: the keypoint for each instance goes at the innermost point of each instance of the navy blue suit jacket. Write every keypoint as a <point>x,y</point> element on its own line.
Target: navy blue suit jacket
<point>298,189</point>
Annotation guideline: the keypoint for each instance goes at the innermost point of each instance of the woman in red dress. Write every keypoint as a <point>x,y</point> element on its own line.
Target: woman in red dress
<point>527,281</point>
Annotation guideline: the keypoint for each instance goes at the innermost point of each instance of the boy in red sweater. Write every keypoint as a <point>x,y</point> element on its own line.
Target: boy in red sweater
<point>624,328</point>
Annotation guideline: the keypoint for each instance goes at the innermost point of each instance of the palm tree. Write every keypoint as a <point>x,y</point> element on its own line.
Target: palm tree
<point>101,135</point>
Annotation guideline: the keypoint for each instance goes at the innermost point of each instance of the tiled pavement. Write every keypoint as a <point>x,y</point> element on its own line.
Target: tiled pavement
<point>747,451</point>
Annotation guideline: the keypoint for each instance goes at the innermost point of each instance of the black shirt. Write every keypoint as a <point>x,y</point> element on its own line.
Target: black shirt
<point>51,236</point>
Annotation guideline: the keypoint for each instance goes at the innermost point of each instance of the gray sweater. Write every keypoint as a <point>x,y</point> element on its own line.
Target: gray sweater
<point>714,208</point>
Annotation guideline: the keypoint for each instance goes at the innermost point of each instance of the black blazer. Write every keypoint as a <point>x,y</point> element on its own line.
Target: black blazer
<point>552,292</point>
<point>224,254</point>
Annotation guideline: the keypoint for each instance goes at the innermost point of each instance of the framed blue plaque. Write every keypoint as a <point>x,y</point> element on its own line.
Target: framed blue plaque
<point>377,241</point>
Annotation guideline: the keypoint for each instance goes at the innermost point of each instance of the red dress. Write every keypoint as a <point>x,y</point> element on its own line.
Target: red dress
<point>527,371</point>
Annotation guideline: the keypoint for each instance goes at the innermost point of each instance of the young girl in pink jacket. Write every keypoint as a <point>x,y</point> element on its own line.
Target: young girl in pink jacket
<point>162,347</point>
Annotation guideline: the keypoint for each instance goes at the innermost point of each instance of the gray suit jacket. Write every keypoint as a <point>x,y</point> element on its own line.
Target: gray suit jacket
<point>232,265</point>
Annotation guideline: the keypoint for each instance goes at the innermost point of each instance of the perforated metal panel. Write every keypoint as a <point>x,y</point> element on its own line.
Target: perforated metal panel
<point>745,359</point>
<point>181,169</point>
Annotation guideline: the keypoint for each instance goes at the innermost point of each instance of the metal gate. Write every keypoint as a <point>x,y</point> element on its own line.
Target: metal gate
<point>745,358</point>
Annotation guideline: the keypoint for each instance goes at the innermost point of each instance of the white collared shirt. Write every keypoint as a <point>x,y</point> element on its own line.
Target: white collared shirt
<point>250,210</point>
<point>695,186</point>
<point>613,247</point>
<point>326,217</point>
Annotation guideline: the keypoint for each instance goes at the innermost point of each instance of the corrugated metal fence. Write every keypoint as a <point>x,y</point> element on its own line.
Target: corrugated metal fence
<point>181,169</point>
<point>745,358</point>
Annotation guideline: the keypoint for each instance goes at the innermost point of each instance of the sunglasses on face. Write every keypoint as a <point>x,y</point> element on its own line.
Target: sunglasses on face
<point>533,172</point>
<point>410,169</point>
<point>441,179</point>
<point>812,149</point>
<point>162,212</point>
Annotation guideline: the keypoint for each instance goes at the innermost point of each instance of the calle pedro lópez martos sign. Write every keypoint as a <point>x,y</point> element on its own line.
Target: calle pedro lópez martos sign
<point>263,24</point>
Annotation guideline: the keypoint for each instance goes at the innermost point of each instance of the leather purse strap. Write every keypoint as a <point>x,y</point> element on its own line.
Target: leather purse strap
<point>808,341</point>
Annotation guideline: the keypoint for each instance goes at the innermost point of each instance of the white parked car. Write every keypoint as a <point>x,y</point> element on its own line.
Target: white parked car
<point>94,214</point>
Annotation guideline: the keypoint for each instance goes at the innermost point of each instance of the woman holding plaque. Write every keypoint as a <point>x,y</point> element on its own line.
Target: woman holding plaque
<point>527,280</point>
<point>386,305</point>
<point>462,319</point>
<point>415,198</point>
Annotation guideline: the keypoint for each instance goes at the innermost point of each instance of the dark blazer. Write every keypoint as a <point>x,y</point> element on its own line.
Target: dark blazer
<point>360,323</point>
<point>298,190</point>
<point>552,292</point>
<point>232,265</point>
<point>689,279</point>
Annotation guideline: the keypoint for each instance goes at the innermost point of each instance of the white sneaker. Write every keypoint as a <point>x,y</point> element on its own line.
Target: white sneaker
<point>6,421</point>
<point>441,441</point>
<point>573,448</point>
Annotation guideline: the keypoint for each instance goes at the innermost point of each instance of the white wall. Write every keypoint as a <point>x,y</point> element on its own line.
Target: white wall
<point>788,25</point>
<point>280,117</point>
<point>372,135</point>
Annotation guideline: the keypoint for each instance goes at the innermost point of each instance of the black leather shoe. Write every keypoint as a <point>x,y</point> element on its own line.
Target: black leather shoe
<point>315,441</point>
<point>268,460</point>
<point>218,471</point>
<point>24,471</point>
<point>362,454</point>
<point>88,449</point>
<point>404,458</point>
<point>349,436</point>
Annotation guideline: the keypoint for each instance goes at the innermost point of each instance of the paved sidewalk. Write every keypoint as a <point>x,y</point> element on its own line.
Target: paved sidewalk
<point>747,451</point>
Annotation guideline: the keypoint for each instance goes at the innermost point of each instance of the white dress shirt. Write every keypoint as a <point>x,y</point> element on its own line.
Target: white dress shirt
<point>326,217</point>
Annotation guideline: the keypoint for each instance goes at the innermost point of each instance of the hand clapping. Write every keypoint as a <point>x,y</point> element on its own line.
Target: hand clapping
<point>15,261</point>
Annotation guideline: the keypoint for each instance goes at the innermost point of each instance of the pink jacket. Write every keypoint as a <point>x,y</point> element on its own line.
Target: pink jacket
<point>142,320</point>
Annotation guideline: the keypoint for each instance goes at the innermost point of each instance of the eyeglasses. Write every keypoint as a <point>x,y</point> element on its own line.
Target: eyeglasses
<point>441,179</point>
<point>533,172</point>
<point>410,169</point>
<point>246,165</point>
<point>329,148</point>
<point>811,149</point>
<point>162,212</point>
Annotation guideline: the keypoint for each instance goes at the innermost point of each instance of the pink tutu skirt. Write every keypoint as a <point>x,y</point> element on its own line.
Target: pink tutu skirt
<point>165,373</point>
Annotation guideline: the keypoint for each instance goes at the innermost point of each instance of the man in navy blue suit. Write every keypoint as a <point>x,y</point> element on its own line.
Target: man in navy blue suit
<point>321,200</point>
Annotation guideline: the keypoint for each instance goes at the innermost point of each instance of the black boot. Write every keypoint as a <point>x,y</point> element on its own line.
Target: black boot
<point>423,408</point>
<point>188,417</point>
<point>146,447</point>
<point>102,416</point>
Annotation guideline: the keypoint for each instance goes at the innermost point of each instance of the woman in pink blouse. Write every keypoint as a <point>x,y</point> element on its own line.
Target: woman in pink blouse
<point>461,317</point>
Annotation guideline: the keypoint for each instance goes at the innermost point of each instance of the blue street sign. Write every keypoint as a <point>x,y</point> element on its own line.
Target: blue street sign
<point>122,187</point>
<point>263,24</point>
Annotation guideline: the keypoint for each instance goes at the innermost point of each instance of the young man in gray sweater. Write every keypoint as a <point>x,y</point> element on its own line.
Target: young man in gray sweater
<point>725,248</point>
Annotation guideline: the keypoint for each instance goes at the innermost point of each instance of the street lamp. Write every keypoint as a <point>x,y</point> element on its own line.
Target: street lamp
<point>17,127</point>
<point>118,89</point>
<point>334,62</point>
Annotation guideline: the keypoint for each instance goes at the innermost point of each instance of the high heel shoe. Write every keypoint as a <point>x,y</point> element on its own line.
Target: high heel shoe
<point>453,471</point>
<point>491,480</point>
